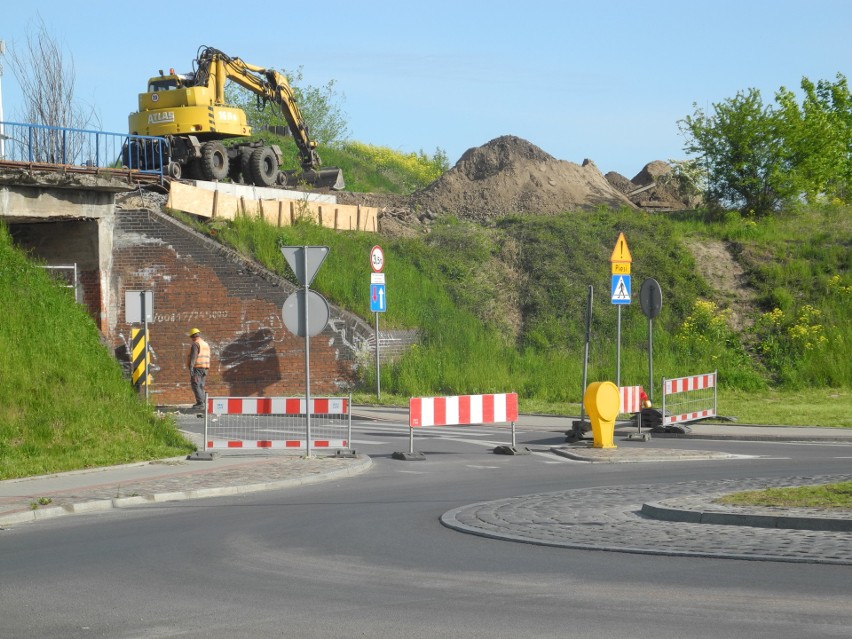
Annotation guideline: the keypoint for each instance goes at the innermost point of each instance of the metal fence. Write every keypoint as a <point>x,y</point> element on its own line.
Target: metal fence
<point>42,144</point>
<point>66,276</point>
<point>689,399</point>
<point>277,423</point>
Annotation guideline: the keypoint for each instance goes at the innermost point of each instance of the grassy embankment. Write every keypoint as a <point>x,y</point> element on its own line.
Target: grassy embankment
<point>64,402</point>
<point>502,307</point>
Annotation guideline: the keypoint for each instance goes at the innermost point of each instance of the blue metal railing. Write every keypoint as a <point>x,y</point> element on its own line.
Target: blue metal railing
<point>39,143</point>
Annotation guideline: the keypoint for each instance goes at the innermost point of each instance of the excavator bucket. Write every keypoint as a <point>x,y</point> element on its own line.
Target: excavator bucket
<point>327,178</point>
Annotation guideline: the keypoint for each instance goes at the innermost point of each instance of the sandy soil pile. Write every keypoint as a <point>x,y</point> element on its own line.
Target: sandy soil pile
<point>510,175</point>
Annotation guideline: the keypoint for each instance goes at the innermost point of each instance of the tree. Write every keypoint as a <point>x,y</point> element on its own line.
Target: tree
<point>47,82</point>
<point>818,135</point>
<point>319,107</point>
<point>757,157</point>
<point>742,152</point>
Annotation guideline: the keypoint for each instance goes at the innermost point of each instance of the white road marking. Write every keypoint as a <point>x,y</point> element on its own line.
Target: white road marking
<point>553,458</point>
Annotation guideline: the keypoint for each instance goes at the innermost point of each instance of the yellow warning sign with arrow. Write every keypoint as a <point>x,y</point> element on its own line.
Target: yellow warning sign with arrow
<point>621,257</point>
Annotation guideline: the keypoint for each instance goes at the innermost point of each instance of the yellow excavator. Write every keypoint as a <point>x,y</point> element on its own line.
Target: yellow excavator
<point>189,111</point>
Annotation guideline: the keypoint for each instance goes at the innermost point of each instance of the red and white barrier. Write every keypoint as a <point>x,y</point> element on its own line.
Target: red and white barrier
<point>686,384</point>
<point>273,444</point>
<point>631,399</point>
<point>277,423</point>
<point>276,406</point>
<point>689,404</point>
<point>462,409</point>
<point>459,410</point>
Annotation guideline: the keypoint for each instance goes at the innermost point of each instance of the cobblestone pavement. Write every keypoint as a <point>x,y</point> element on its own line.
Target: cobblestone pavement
<point>611,519</point>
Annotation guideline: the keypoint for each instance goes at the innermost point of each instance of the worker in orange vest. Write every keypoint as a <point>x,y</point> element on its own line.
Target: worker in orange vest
<point>198,363</point>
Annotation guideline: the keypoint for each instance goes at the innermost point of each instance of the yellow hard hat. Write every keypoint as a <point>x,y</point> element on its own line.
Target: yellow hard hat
<point>193,331</point>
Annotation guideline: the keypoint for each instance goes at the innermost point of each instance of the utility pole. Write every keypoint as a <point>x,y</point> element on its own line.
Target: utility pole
<point>2,132</point>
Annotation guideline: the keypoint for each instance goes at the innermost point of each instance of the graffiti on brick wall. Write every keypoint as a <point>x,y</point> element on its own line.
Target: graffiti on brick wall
<point>249,362</point>
<point>350,339</point>
<point>189,317</point>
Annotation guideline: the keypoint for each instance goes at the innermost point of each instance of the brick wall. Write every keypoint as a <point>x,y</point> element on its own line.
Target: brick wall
<point>197,283</point>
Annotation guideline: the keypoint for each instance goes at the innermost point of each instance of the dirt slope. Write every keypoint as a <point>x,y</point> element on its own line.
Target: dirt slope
<point>721,271</point>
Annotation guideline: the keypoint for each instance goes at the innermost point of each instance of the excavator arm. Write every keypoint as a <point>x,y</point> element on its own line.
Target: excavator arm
<point>215,68</point>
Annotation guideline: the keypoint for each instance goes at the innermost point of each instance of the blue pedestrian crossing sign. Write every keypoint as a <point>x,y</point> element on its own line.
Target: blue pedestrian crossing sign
<point>621,289</point>
<point>378,300</point>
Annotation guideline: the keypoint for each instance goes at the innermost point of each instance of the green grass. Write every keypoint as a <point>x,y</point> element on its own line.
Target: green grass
<point>368,168</point>
<point>827,407</point>
<point>836,496</point>
<point>501,307</point>
<point>64,403</point>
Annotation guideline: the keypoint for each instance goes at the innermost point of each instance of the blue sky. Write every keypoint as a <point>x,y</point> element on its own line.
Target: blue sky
<point>601,80</point>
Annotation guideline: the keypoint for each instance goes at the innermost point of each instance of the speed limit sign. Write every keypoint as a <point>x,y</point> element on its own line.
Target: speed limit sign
<point>377,259</point>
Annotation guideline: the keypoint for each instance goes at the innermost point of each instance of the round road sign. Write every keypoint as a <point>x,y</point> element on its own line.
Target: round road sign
<point>377,259</point>
<point>293,313</point>
<point>651,298</point>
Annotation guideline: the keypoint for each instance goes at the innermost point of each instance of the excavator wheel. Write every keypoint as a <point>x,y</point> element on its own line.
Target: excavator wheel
<point>264,166</point>
<point>214,161</point>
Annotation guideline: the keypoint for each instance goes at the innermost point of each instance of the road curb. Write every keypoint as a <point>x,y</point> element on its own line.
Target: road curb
<point>360,465</point>
<point>663,512</point>
<point>585,453</point>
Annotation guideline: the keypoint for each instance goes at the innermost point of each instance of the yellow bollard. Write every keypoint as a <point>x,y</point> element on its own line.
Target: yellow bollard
<point>602,401</point>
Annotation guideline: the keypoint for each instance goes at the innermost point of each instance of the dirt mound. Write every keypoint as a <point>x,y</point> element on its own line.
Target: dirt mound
<point>652,173</point>
<point>510,175</point>
<point>620,183</point>
<point>653,188</point>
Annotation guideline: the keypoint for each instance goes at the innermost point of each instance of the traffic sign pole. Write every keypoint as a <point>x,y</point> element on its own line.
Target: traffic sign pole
<point>651,301</point>
<point>618,351</point>
<point>307,361</point>
<point>586,353</point>
<point>305,269</point>
<point>379,304</point>
<point>378,369</point>
<point>620,295</point>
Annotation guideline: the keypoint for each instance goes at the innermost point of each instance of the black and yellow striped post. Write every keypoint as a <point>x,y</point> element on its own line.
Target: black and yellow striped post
<point>140,356</point>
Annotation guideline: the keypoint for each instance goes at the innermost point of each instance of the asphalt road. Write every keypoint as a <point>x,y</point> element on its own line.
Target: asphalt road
<point>368,556</point>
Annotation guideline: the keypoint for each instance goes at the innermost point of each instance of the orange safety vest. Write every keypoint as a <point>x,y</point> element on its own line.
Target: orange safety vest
<point>202,360</point>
